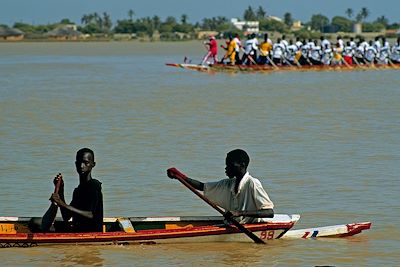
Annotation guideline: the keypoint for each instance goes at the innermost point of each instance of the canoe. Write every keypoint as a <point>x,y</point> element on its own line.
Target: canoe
<point>268,69</point>
<point>17,231</point>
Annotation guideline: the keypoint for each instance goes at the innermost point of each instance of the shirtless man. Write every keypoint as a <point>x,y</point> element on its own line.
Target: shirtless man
<point>86,208</point>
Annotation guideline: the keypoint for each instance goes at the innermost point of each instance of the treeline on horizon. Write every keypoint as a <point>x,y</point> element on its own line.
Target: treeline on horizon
<point>97,24</point>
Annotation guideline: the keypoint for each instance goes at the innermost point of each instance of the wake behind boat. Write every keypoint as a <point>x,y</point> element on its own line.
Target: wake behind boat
<point>18,231</point>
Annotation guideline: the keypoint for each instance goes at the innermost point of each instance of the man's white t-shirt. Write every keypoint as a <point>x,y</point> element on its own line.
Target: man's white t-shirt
<point>251,196</point>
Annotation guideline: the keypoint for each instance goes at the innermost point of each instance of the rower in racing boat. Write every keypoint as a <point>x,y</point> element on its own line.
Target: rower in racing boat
<point>230,51</point>
<point>212,50</point>
<point>371,53</point>
<point>327,55</point>
<point>238,48</point>
<point>395,52</point>
<point>325,42</point>
<point>348,53</point>
<point>291,52</point>
<point>86,208</point>
<point>384,52</point>
<point>316,54</point>
<point>265,50</point>
<point>278,51</point>
<point>240,195</point>
<point>250,50</point>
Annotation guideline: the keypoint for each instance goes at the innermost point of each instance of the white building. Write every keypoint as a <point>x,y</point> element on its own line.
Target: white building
<point>248,26</point>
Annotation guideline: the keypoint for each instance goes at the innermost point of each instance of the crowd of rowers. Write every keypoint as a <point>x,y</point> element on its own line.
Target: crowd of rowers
<point>303,52</point>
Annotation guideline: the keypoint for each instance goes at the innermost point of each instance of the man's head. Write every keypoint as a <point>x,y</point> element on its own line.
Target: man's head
<point>84,161</point>
<point>236,163</point>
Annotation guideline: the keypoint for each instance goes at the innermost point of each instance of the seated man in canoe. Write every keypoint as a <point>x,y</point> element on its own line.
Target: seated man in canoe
<point>241,195</point>
<point>86,208</point>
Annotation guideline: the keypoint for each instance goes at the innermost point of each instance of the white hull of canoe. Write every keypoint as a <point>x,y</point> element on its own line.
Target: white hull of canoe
<point>340,230</point>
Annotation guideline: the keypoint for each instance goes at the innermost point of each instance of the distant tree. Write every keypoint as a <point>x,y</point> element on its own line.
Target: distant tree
<point>342,24</point>
<point>249,14</point>
<point>107,23</point>
<point>131,13</point>
<point>349,13</point>
<point>156,22</point>
<point>94,23</point>
<point>318,22</point>
<point>273,25</point>
<point>382,20</point>
<point>393,26</point>
<point>124,26</point>
<point>170,20</point>
<point>287,18</point>
<point>364,12</point>
<point>260,13</point>
<point>66,21</point>
<point>362,15</point>
<point>220,24</point>
<point>373,27</point>
<point>184,19</point>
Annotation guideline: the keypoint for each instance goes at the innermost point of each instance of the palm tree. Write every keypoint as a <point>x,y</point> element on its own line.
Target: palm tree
<point>349,12</point>
<point>184,18</point>
<point>85,19</point>
<point>131,13</point>
<point>156,22</point>
<point>364,12</point>
<point>106,22</point>
<point>261,12</point>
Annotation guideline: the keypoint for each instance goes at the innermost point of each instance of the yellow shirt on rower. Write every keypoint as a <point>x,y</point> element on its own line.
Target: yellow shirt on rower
<point>265,48</point>
<point>231,52</point>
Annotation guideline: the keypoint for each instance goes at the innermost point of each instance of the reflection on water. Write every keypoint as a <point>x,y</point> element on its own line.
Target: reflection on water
<point>324,145</point>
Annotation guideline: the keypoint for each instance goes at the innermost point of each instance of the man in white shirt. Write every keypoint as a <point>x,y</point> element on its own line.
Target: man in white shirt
<point>250,50</point>
<point>291,52</point>
<point>325,43</point>
<point>278,50</point>
<point>327,55</point>
<point>395,52</point>
<point>340,47</point>
<point>241,195</point>
<point>316,54</point>
<point>370,53</point>
<point>237,49</point>
<point>377,44</point>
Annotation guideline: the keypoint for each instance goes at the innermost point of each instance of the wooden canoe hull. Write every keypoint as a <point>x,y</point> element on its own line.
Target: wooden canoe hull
<point>268,68</point>
<point>14,231</point>
<point>150,230</point>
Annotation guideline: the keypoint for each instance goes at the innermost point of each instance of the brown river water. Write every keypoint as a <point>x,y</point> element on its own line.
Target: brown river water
<point>324,145</point>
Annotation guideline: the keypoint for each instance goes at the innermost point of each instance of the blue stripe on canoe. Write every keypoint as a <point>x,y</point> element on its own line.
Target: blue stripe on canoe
<point>315,233</point>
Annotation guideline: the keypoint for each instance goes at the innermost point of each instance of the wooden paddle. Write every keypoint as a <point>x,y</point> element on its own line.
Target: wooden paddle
<point>58,184</point>
<point>272,62</point>
<point>243,229</point>
<point>50,215</point>
<point>249,57</point>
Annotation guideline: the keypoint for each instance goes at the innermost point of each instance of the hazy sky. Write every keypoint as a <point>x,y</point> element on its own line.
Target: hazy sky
<point>49,11</point>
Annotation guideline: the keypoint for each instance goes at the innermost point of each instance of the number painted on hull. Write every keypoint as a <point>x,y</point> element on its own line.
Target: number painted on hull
<point>267,234</point>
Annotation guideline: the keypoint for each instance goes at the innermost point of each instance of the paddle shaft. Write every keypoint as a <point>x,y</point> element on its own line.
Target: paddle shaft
<point>50,215</point>
<point>58,184</point>
<point>243,229</point>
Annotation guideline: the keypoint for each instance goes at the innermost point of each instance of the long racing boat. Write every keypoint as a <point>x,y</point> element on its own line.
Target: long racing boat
<point>20,232</point>
<point>268,68</point>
